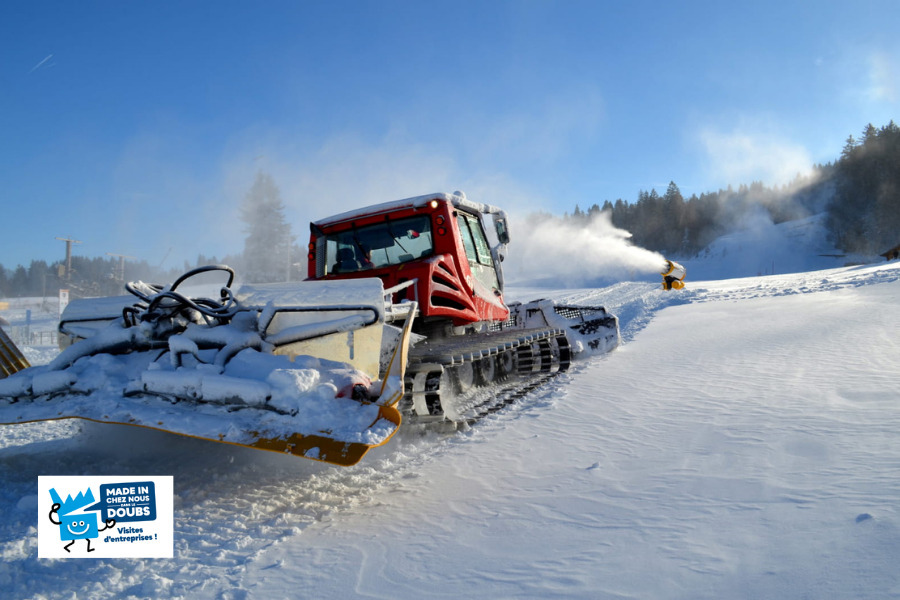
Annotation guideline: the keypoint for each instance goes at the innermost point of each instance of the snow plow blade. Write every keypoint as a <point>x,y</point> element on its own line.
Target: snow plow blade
<point>328,449</point>
<point>228,370</point>
<point>317,447</point>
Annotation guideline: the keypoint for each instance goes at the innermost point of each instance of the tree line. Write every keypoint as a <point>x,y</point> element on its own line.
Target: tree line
<point>859,192</point>
<point>864,215</point>
<point>87,277</point>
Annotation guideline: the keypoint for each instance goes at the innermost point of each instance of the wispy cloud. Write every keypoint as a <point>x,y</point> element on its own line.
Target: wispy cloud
<point>883,78</point>
<point>44,63</point>
<point>753,150</point>
<point>545,130</point>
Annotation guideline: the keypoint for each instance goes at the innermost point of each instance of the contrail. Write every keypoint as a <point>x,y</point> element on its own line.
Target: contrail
<point>38,66</point>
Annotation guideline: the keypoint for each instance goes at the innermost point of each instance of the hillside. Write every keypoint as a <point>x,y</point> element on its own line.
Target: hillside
<point>762,248</point>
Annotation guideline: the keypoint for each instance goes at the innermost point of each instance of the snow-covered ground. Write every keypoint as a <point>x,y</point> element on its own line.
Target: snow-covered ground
<point>741,443</point>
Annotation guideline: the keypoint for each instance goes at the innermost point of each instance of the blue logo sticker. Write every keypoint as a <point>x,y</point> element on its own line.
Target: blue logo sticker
<point>127,502</point>
<point>136,516</point>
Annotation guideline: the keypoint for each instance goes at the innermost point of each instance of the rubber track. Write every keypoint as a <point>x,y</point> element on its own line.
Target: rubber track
<point>535,364</point>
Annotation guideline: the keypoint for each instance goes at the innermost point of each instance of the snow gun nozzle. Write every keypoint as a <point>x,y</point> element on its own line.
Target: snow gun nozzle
<point>673,276</point>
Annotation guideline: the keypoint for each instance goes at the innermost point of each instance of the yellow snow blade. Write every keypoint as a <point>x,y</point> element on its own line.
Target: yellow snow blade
<point>314,447</point>
<point>11,358</point>
<point>327,449</point>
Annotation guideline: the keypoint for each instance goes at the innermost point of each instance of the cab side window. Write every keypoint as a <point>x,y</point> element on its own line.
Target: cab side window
<point>478,252</point>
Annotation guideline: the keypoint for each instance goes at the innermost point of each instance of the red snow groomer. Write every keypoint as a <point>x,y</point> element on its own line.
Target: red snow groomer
<point>435,250</point>
<point>403,318</point>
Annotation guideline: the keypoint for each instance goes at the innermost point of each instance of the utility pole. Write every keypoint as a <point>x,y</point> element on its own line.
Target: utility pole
<point>69,243</point>
<point>120,270</point>
<point>287,274</point>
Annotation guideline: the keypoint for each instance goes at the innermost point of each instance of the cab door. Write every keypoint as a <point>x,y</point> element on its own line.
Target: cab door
<point>478,252</point>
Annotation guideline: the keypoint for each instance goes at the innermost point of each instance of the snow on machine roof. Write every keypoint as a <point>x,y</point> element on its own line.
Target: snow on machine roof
<point>457,199</point>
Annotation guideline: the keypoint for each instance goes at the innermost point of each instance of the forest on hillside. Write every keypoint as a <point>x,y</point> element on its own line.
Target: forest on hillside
<point>859,192</point>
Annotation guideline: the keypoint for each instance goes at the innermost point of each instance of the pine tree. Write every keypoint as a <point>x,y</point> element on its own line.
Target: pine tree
<point>37,278</point>
<point>4,283</point>
<point>849,145</point>
<point>19,281</point>
<point>673,234</point>
<point>267,247</point>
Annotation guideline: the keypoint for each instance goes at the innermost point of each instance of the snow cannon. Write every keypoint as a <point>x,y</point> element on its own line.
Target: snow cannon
<point>673,276</point>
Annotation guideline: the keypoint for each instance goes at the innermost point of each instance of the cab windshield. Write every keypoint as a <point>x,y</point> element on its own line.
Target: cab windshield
<point>389,243</point>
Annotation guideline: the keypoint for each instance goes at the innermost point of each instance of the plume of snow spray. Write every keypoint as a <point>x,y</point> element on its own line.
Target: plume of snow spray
<point>576,253</point>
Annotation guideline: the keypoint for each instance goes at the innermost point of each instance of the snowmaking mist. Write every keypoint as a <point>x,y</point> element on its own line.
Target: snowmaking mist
<point>563,252</point>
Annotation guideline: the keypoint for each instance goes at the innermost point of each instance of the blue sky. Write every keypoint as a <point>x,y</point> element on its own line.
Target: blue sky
<point>137,127</point>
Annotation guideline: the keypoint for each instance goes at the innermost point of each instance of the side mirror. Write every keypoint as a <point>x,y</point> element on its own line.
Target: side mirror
<point>502,231</point>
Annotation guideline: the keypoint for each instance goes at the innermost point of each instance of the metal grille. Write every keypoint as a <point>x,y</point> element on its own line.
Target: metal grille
<point>578,312</point>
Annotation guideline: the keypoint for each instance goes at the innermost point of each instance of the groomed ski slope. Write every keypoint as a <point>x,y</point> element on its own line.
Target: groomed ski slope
<point>741,443</point>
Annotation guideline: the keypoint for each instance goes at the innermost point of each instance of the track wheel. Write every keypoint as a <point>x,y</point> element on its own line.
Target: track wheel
<point>525,359</point>
<point>565,353</point>
<point>545,352</point>
<point>486,371</point>
<point>433,393</point>
<point>505,364</point>
<point>464,377</point>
